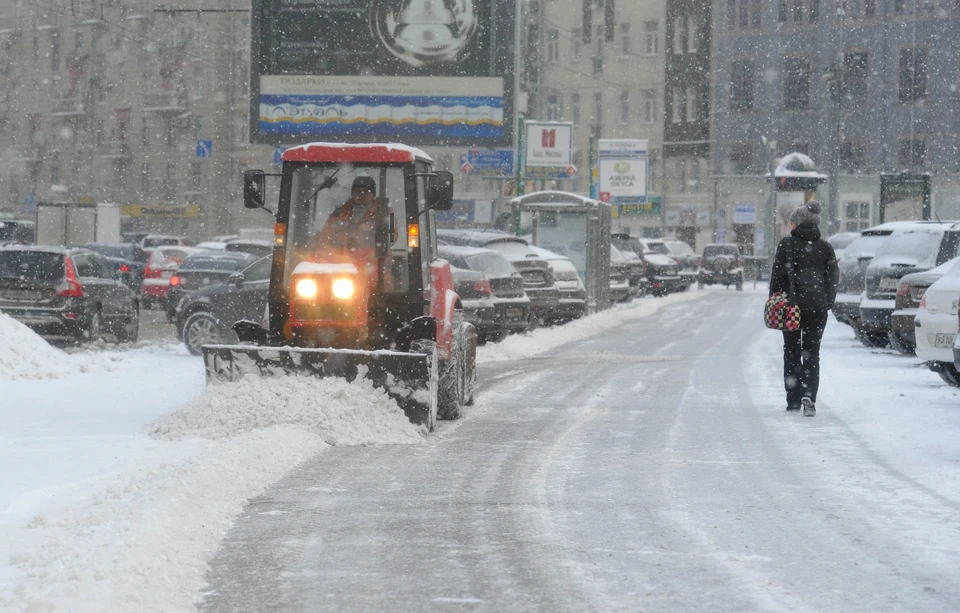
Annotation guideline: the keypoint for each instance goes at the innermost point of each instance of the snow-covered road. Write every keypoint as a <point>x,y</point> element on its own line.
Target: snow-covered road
<point>637,460</point>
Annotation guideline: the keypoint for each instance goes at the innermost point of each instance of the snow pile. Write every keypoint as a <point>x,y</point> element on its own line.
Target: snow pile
<point>338,411</point>
<point>544,339</point>
<point>24,355</point>
<point>140,539</point>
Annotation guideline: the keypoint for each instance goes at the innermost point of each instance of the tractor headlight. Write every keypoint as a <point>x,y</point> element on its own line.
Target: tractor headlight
<point>306,289</point>
<point>343,289</point>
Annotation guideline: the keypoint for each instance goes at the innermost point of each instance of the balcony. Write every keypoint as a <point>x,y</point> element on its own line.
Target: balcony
<point>69,105</point>
<point>114,149</point>
<point>165,101</point>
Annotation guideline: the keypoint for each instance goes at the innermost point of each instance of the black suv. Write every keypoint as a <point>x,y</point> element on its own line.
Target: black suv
<point>915,247</point>
<point>721,264</point>
<point>207,315</point>
<point>71,294</point>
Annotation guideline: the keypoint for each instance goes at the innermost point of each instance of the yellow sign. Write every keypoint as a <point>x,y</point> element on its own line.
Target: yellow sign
<point>191,211</point>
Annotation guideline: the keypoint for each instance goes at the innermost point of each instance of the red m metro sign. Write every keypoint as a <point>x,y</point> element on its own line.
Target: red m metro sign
<point>548,139</point>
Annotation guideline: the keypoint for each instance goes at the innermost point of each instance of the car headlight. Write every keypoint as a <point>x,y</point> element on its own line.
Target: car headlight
<point>343,289</point>
<point>306,289</point>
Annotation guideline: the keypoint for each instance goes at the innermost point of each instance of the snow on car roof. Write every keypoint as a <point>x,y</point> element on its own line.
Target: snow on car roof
<point>348,152</point>
<point>457,250</point>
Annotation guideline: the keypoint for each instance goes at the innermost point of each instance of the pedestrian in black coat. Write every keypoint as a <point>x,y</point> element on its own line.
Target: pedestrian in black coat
<point>813,263</point>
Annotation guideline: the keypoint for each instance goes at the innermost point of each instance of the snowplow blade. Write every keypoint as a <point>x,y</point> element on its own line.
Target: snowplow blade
<point>409,378</point>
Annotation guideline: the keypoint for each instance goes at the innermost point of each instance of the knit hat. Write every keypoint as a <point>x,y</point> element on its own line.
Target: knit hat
<point>807,213</point>
<point>364,182</point>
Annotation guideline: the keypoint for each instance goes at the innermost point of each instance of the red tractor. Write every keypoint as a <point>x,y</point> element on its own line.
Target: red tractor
<point>356,285</point>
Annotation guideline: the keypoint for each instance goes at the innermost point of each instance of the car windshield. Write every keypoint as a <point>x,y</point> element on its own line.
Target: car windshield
<point>208,263</point>
<point>159,241</point>
<point>865,245</point>
<point>622,244</point>
<point>713,250</point>
<point>331,222</point>
<point>490,262</point>
<point>919,247</point>
<point>33,265</point>
<point>680,248</point>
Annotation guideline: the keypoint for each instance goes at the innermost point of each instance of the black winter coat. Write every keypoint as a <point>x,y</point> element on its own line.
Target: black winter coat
<point>815,266</point>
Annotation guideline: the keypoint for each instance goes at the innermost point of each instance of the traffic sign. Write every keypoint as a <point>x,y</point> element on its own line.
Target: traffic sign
<point>571,170</point>
<point>497,162</point>
<point>204,148</point>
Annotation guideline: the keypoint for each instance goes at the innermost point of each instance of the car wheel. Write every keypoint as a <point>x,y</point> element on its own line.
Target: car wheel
<point>200,329</point>
<point>129,331</point>
<point>93,330</point>
<point>872,338</point>
<point>899,344</point>
<point>948,372</point>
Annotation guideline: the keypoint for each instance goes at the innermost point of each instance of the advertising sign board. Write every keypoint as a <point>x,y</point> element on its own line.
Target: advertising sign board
<point>549,149</point>
<point>623,171</point>
<point>487,163</point>
<point>366,70</point>
<point>744,213</point>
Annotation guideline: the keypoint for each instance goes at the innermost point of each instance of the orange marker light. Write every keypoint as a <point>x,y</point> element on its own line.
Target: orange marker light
<point>279,233</point>
<point>413,236</point>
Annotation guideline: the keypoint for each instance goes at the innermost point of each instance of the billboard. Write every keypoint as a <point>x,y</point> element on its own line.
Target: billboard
<point>623,171</point>
<point>548,150</point>
<point>426,72</point>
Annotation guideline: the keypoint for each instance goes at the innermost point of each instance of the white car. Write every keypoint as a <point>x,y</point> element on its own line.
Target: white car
<point>936,325</point>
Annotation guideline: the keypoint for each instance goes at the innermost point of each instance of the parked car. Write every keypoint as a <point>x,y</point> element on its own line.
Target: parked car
<point>687,260</point>
<point>915,247</point>
<point>128,259</point>
<point>841,240</point>
<point>162,240</point>
<point>662,271</point>
<point>538,279</point>
<point>207,315</point>
<point>66,293</point>
<point>853,264</point>
<point>199,270</point>
<point>490,289</point>
<point>912,289</point>
<point>721,264</point>
<point>573,295</point>
<point>17,232</point>
<point>638,275</point>
<point>936,323</point>
<point>620,289</point>
<point>163,262</point>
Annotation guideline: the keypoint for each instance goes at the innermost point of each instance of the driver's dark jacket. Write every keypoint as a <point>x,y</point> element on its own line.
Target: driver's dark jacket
<point>815,265</point>
<point>343,214</point>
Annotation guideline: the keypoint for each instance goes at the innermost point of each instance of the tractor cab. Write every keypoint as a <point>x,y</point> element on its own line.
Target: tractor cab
<point>354,240</point>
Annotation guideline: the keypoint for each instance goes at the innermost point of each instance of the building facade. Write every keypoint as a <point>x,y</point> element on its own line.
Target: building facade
<point>600,66</point>
<point>126,103</point>
<point>861,86</point>
<point>687,145</point>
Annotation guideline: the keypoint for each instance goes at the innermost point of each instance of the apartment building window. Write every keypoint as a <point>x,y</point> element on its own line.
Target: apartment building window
<point>732,14</point>
<point>679,35</point>
<point>649,106</point>
<point>598,109</point>
<point>654,166</point>
<point>797,11</point>
<point>554,110</point>
<point>913,74</point>
<point>744,14</point>
<point>33,128</point>
<point>782,10</point>
<point>36,47</point>
<point>171,133</point>
<point>55,50</point>
<point>869,9</point>
<point>553,46</point>
<point>757,15</point>
<point>693,33</point>
<point>741,157</point>
<point>170,191</point>
<point>679,104</point>
<point>625,39</point>
<point>624,107</point>
<point>196,176</point>
<point>55,170</point>
<point>682,176</point>
<point>796,83</point>
<point>144,181</point>
<point>145,133</point>
<point>695,180</point>
<point>855,75</point>
<point>857,216</point>
<point>852,156</point>
<point>814,12</point>
<point>651,32</point>
<point>575,108</point>
<point>742,85</point>
<point>691,103</point>
<point>577,42</point>
<point>911,153</point>
<point>598,58</point>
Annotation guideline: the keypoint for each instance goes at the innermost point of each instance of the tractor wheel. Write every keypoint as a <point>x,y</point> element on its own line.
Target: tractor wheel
<point>450,390</point>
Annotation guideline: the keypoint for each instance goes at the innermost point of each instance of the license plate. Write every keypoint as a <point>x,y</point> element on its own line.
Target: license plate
<point>166,274</point>
<point>888,283</point>
<point>517,312</point>
<point>943,341</point>
<point>21,295</point>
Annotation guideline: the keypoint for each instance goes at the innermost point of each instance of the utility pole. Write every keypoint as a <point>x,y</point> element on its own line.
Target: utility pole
<point>836,76</point>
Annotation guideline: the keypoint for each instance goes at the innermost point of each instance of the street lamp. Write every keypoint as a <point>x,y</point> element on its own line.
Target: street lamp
<point>770,218</point>
<point>834,77</point>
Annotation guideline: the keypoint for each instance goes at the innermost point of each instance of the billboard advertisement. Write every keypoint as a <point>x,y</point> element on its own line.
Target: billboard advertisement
<point>425,72</point>
<point>549,150</point>
<point>623,171</point>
